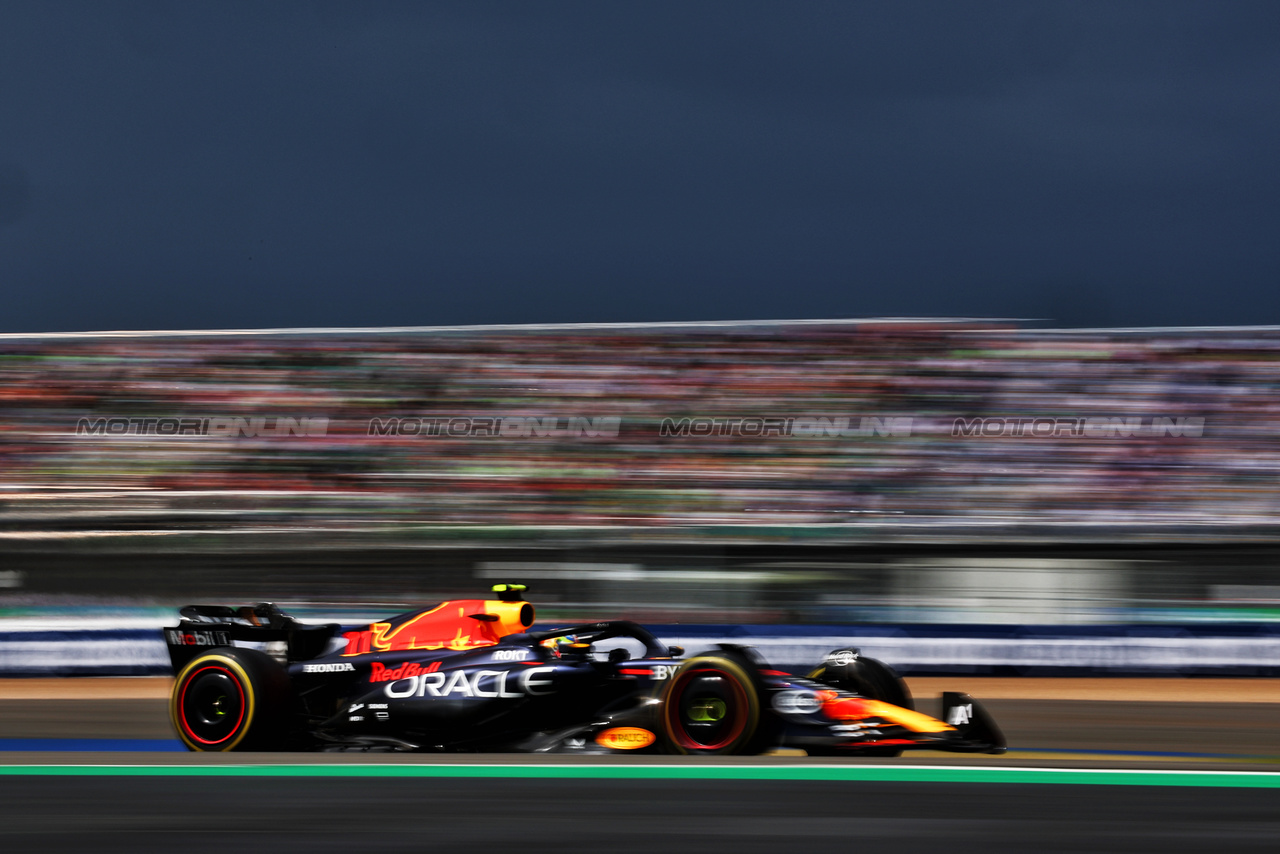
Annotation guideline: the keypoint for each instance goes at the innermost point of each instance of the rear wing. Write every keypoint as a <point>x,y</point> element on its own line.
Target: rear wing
<point>263,626</point>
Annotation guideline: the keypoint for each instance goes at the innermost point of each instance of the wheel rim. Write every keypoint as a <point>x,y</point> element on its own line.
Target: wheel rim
<point>211,707</point>
<point>708,709</point>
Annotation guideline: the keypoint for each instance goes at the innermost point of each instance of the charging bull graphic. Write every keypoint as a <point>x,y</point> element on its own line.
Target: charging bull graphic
<point>458,625</point>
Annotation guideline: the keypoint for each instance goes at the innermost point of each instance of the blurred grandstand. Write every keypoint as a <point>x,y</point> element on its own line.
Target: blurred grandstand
<point>923,483</point>
<point>602,462</point>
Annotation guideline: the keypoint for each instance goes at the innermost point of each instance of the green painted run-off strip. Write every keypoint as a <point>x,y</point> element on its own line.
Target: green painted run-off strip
<point>877,773</point>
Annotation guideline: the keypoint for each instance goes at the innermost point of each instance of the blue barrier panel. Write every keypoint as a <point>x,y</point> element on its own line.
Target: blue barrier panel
<point>91,652</point>
<point>1210,650</point>
<point>922,650</point>
<point>67,745</point>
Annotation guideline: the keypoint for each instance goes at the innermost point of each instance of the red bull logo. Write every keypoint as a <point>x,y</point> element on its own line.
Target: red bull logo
<point>379,672</point>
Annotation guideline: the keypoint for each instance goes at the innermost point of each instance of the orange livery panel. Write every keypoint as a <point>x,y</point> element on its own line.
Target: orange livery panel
<point>457,625</point>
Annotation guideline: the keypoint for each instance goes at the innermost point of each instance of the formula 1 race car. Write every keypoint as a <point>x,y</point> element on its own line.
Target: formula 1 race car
<point>470,675</point>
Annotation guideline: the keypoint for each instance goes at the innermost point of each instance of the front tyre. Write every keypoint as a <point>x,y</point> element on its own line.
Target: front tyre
<point>230,699</point>
<point>868,678</point>
<point>712,706</point>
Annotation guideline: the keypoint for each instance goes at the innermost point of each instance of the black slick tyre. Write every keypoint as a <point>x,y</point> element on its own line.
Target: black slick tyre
<point>868,678</point>
<point>712,705</point>
<point>230,699</point>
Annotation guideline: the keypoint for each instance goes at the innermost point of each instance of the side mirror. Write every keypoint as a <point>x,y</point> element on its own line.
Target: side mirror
<point>618,655</point>
<point>676,651</point>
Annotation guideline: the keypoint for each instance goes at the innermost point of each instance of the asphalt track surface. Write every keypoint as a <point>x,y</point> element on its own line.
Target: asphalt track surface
<point>315,813</point>
<point>1083,775</point>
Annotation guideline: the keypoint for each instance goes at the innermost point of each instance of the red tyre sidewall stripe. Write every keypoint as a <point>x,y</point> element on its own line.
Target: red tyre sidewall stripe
<point>673,708</point>
<point>182,704</point>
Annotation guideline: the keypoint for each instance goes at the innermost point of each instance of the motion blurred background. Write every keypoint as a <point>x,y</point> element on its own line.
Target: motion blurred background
<point>892,510</point>
<point>504,276</point>
<point>417,169</point>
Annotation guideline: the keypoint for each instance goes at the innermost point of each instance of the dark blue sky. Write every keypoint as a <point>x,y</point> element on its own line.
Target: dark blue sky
<point>175,165</point>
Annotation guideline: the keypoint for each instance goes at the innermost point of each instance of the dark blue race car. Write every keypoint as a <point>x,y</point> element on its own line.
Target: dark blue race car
<point>470,675</point>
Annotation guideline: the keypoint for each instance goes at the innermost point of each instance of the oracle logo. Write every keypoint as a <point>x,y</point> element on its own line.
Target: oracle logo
<point>481,683</point>
<point>797,702</point>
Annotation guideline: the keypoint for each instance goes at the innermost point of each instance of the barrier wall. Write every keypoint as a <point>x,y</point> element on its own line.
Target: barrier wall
<point>1223,650</point>
<point>109,652</point>
<point>1226,650</point>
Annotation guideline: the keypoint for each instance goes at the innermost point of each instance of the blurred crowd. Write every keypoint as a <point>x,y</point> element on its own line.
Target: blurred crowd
<point>1220,483</point>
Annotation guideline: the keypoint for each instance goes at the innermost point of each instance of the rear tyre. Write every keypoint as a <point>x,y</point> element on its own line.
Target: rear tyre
<point>230,699</point>
<point>712,706</point>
